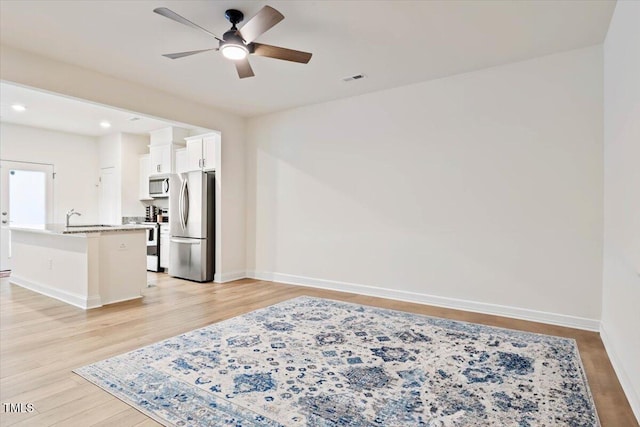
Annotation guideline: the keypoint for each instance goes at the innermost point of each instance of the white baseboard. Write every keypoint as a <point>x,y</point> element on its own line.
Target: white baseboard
<point>92,301</point>
<point>230,276</point>
<point>454,303</point>
<point>623,376</point>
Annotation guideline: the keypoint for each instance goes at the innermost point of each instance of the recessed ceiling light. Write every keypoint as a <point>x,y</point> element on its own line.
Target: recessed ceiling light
<point>19,107</point>
<point>105,124</point>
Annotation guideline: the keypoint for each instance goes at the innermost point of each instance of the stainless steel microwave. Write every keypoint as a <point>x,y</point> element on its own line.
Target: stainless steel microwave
<point>159,186</point>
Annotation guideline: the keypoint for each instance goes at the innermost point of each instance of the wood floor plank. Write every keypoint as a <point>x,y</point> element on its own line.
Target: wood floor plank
<point>42,340</point>
<point>96,415</point>
<point>127,417</point>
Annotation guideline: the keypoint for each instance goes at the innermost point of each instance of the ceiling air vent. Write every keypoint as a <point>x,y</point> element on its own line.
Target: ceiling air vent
<point>355,77</point>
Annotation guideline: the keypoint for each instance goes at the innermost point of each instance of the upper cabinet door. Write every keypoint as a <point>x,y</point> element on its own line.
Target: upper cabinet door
<point>160,156</point>
<point>209,152</point>
<point>194,154</point>
<point>181,160</point>
<point>160,159</point>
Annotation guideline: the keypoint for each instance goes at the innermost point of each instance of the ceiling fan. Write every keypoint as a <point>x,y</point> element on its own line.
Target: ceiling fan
<point>237,44</point>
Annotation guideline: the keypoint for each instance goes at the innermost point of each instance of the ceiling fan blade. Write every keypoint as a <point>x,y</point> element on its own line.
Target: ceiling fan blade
<point>264,20</point>
<point>168,13</point>
<point>244,68</point>
<point>183,54</point>
<point>281,53</point>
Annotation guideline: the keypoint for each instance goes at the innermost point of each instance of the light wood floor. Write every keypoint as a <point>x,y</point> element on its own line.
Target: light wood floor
<point>43,339</point>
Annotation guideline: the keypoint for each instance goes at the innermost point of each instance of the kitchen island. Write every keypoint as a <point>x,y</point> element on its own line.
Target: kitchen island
<point>86,266</point>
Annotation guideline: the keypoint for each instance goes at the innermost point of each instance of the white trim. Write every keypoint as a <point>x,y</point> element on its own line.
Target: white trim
<point>454,303</point>
<point>92,301</point>
<point>230,276</point>
<point>623,376</point>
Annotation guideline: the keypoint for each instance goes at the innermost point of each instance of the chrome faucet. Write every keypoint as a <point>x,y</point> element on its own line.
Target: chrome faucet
<point>71,213</point>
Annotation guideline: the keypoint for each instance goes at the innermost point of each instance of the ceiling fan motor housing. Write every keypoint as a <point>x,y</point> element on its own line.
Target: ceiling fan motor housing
<point>232,36</point>
<point>234,16</point>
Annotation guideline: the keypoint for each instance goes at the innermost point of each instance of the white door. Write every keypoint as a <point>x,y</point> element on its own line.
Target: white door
<point>26,199</point>
<point>108,201</point>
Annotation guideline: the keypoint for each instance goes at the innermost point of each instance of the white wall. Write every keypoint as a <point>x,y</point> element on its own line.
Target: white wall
<point>75,160</point>
<point>36,71</point>
<point>621,276</point>
<point>484,187</point>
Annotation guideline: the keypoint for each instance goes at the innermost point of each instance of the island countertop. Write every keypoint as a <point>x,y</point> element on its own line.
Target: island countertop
<point>78,229</point>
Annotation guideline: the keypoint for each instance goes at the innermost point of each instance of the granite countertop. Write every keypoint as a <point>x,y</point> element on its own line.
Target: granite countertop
<point>79,229</point>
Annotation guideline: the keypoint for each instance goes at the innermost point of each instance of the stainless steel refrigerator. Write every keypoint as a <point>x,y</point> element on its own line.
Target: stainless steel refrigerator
<point>192,220</point>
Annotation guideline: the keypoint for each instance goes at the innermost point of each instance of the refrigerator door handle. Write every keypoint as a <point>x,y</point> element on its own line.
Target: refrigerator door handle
<point>183,208</point>
<point>186,203</point>
<point>180,214</point>
<point>187,241</point>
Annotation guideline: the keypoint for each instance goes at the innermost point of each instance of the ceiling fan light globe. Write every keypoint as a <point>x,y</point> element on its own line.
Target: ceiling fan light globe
<point>234,51</point>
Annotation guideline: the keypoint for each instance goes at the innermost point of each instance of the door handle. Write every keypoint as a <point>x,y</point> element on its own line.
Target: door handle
<point>180,205</point>
<point>187,241</point>
<point>186,203</point>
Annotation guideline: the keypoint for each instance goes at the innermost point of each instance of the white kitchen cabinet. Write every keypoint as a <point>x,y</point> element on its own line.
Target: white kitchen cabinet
<point>201,152</point>
<point>194,154</point>
<point>145,166</point>
<point>161,158</point>
<point>165,237</point>
<point>209,152</point>
<point>181,161</point>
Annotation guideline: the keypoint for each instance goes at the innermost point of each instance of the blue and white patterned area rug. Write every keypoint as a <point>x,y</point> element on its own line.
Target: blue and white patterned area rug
<point>316,362</point>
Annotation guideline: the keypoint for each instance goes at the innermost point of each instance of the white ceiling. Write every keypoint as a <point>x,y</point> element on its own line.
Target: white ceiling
<point>48,111</point>
<point>393,43</point>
